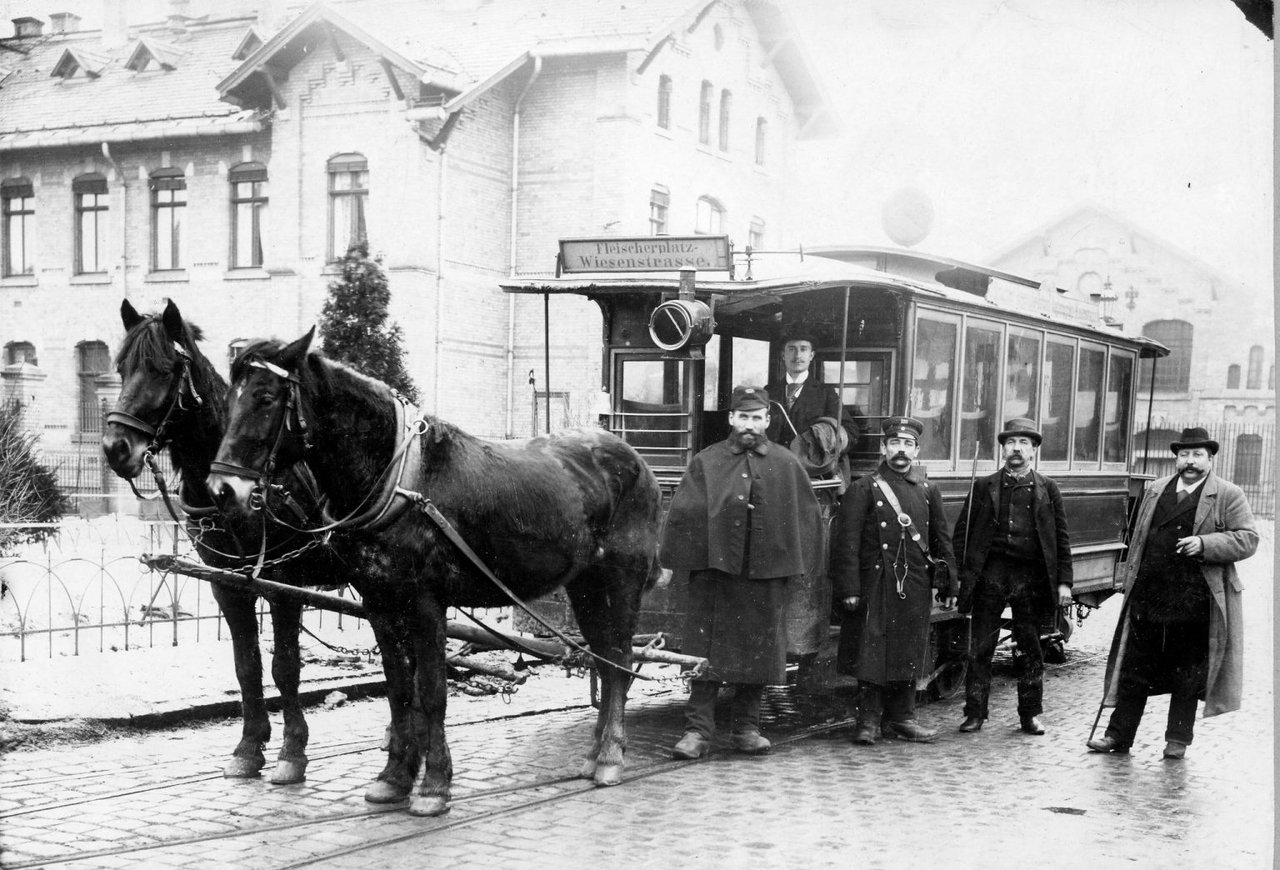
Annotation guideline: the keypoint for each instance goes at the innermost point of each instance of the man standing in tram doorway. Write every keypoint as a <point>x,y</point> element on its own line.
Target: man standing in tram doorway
<point>892,549</point>
<point>743,522</point>
<point>1181,629</point>
<point>807,415</point>
<point>1012,545</point>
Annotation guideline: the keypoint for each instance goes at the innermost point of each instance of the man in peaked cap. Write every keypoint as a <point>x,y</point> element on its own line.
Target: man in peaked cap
<point>891,550</point>
<point>743,522</point>
<point>1013,548</point>
<point>1181,630</point>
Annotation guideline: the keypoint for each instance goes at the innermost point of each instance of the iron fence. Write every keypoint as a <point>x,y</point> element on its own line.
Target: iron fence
<point>1246,457</point>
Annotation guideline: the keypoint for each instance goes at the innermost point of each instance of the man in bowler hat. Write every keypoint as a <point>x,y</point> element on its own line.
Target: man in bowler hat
<point>1181,628</point>
<point>1012,545</point>
<point>743,521</point>
<point>802,402</point>
<point>891,550</point>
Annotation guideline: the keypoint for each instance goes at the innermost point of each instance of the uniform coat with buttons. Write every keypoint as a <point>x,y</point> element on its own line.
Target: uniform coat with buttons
<point>742,522</point>
<point>1224,523</point>
<point>886,639</point>
<point>976,529</point>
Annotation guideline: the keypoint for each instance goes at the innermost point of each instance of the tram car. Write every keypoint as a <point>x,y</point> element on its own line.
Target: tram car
<point>958,346</point>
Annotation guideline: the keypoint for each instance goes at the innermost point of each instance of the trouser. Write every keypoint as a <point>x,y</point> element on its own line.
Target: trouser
<point>700,710</point>
<point>1012,582</point>
<point>1175,655</point>
<point>893,702</point>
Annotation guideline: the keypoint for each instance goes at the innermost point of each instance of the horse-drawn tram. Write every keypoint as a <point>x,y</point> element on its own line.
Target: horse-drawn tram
<point>958,346</point>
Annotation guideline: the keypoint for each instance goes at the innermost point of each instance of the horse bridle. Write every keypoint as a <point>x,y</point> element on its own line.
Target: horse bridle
<point>181,377</point>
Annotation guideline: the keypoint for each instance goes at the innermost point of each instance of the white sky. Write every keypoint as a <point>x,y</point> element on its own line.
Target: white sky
<point>1009,113</point>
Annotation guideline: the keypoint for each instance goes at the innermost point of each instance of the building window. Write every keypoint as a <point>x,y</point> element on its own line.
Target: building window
<point>726,108</point>
<point>664,102</point>
<point>755,237</point>
<point>92,359</point>
<point>234,348</point>
<point>168,208</point>
<point>18,210</point>
<point>90,192</point>
<point>1248,464</point>
<point>659,202</point>
<point>18,352</point>
<point>704,114</point>
<point>348,196</point>
<point>1233,377</point>
<point>762,137</point>
<point>1253,380</point>
<point>248,202</point>
<point>709,220</point>
<point>1173,373</point>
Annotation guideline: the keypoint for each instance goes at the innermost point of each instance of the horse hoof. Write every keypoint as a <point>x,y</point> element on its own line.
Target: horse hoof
<point>289,771</point>
<point>242,768</point>
<point>588,769</point>
<point>428,805</point>
<point>382,792</point>
<point>608,774</point>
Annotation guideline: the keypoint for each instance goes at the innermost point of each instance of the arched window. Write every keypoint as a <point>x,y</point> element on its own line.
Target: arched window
<point>248,203</point>
<point>90,194</point>
<point>1233,377</point>
<point>704,113</point>
<point>1173,373</point>
<point>762,138</point>
<point>709,220</point>
<point>18,216</point>
<point>92,359</point>
<point>168,206</point>
<point>1253,380</point>
<point>659,203</point>
<point>726,109</point>
<point>664,102</point>
<point>18,352</point>
<point>348,196</point>
<point>1248,465</point>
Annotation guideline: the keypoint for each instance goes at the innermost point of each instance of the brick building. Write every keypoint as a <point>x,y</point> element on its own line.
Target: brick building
<point>225,160</point>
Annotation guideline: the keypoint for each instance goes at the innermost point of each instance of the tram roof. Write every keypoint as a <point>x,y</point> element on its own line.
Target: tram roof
<point>907,273</point>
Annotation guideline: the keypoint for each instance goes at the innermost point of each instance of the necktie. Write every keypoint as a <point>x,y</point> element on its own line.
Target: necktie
<point>1182,495</point>
<point>793,390</point>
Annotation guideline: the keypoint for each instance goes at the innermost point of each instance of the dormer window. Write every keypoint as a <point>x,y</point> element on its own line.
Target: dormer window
<point>248,45</point>
<point>75,62</point>
<point>149,54</point>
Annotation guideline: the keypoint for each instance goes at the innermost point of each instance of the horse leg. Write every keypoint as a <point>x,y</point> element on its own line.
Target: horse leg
<point>238,609</point>
<point>435,774</point>
<point>606,614</point>
<point>396,779</point>
<point>286,670</point>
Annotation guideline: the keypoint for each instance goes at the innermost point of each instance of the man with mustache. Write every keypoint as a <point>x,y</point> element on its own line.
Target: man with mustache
<point>743,521</point>
<point>1013,548</point>
<point>1181,628</point>
<point>892,548</point>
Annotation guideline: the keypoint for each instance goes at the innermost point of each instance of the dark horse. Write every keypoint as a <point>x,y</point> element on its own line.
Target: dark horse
<point>172,397</point>
<point>579,510</point>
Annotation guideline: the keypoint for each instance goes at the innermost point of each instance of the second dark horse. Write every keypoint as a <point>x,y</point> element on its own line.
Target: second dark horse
<point>579,510</point>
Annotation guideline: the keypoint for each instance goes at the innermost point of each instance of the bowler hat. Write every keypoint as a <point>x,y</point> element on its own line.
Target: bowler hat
<point>820,447</point>
<point>1195,436</point>
<point>748,399</point>
<point>903,426</point>
<point>1020,426</point>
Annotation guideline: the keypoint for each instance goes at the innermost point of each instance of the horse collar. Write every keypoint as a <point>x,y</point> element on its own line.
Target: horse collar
<point>406,465</point>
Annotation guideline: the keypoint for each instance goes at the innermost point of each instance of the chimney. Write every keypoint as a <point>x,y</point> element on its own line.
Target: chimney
<point>178,16</point>
<point>64,22</point>
<point>115,24</point>
<point>27,26</point>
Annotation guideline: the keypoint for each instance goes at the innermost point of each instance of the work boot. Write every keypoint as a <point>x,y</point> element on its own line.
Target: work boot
<point>910,730</point>
<point>692,746</point>
<point>866,734</point>
<point>971,724</point>
<point>750,742</point>
<point>1175,749</point>
<point>1032,725</point>
<point>1107,743</point>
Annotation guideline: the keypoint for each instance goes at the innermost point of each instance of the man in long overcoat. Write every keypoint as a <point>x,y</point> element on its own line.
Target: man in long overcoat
<point>1012,544</point>
<point>743,521</point>
<point>1181,630</point>
<point>892,548</point>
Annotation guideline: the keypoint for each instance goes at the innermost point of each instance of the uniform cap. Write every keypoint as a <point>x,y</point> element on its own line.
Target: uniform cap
<point>903,426</point>
<point>748,399</point>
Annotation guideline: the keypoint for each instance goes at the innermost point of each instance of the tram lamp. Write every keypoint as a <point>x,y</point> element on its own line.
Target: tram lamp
<point>681,327</point>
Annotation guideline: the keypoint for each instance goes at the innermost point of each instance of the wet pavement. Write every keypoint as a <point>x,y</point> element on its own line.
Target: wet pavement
<point>156,799</point>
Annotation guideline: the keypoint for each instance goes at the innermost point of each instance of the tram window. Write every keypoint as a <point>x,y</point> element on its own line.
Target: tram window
<point>1022,375</point>
<point>933,385</point>
<point>1089,396</point>
<point>1059,371</point>
<point>980,385</point>
<point>1119,392</point>
<point>649,414</point>
<point>749,362</point>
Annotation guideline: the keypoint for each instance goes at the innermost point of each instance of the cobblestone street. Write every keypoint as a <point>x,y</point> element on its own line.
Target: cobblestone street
<point>995,797</point>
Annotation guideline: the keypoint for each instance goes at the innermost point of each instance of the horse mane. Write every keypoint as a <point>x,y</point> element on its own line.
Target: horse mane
<point>148,345</point>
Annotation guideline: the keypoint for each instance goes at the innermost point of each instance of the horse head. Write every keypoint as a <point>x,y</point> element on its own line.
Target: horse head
<point>267,430</point>
<point>165,382</point>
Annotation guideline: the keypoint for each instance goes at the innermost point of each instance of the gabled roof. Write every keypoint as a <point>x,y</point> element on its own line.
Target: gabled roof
<point>148,50</point>
<point>75,59</point>
<point>248,45</point>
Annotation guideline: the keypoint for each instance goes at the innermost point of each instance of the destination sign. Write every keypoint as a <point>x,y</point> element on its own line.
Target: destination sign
<point>645,254</point>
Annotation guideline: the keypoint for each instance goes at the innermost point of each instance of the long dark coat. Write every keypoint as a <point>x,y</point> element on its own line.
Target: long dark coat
<point>979,520</point>
<point>887,638</point>
<point>739,584</point>
<point>1225,524</point>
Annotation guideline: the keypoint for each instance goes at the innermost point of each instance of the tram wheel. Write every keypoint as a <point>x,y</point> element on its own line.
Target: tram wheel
<point>1054,650</point>
<point>949,681</point>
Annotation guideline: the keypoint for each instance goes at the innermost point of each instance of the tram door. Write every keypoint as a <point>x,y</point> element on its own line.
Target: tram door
<point>868,393</point>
